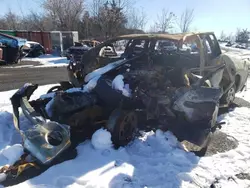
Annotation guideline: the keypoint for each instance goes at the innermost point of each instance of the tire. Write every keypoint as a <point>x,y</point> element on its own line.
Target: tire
<point>123,126</point>
<point>229,96</point>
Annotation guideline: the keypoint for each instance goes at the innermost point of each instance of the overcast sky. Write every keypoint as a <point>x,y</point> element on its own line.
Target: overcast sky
<point>210,15</point>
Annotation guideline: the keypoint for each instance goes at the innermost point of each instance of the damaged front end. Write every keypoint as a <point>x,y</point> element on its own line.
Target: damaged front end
<point>190,111</point>
<point>197,110</point>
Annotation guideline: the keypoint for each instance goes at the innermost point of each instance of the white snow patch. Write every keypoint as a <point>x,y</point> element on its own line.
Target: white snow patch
<point>91,84</point>
<point>118,84</point>
<point>86,88</point>
<point>10,154</point>
<point>102,70</point>
<point>101,139</point>
<point>47,95</point>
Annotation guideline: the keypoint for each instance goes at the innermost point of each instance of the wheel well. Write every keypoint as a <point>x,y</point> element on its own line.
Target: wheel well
<point>237,81</point>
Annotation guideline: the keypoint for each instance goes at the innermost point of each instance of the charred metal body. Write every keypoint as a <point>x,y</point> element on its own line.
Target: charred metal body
<point>162,84</point>
<point>145,88</point>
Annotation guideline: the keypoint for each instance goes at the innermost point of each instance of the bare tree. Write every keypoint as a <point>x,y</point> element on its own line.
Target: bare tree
<point>36,21</point>
<point>153,28</point>
<point>223,36</point>
<point>65,13</point>
<point>137,19</point>
<point>108,16</point>
<point>242,35</point>
<point>230,37</point>
<point>95,6</point>
<point>12,21</point>
<point>3,24</point>
<point>124,5</point>
<point>165,20</point>
<point>186,20</point>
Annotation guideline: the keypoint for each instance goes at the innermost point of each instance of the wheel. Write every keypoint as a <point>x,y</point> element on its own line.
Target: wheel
<point>229,96</point>
<point>54,89</point>
<point>123,126</point>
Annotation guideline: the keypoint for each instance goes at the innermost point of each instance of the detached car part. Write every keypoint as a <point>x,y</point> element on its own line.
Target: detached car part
<point>44,140</point>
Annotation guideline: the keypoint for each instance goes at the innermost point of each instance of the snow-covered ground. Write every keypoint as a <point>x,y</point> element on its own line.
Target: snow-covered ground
<point>153,160</point>
<point>47,61</point>
<point>245,52</point>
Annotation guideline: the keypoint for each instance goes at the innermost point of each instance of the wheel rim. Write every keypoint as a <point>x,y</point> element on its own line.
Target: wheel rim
<point>127,128</point>
<point>231,95</point>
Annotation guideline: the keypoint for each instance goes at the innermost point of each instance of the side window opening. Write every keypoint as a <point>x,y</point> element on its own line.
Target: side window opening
<point>114,49</point>
<point>190,47</point>
<point>165,46</point>
<point>215,46</point>
<point>136,47</point>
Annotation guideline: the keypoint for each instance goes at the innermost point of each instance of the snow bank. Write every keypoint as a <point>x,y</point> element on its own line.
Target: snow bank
<point>91,84</point>
<point>102,70</point>
<point>101,139</point>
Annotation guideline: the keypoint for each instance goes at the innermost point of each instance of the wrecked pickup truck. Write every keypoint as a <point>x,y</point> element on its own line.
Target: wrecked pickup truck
<point>146,87</point>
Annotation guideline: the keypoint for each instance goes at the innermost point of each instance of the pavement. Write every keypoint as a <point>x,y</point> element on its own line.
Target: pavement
<point>16,75</point>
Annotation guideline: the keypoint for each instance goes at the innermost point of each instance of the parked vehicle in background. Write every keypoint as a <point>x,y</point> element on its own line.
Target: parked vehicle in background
<point>90,43</point>
<point>76,51</point>
<point>167,46</point>
<point>229,44</point>
<point>55,42</point>
<point>1,54</point>
<point>32,49</point>
<point>240,46</point>
<point>11,48</point>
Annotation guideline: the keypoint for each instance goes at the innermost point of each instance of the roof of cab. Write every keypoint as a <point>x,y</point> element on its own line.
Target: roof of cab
<point>176,37</point>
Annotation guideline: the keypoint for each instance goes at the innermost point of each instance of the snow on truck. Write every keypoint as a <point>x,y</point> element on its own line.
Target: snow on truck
<point>148,86</point>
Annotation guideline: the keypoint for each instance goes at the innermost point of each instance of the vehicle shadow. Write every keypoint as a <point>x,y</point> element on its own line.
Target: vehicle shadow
<point>158,161</point>
<point>238,102</point>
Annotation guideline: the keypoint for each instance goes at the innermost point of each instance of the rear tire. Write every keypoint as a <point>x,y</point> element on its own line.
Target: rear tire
<point>229,96</point>
<point>123,126</point>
